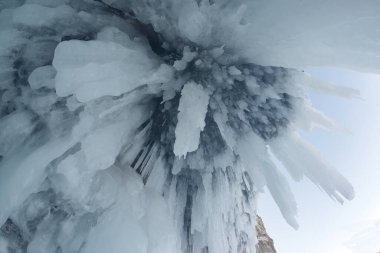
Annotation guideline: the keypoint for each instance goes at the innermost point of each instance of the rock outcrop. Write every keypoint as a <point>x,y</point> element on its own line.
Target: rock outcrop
<point>265,242</point>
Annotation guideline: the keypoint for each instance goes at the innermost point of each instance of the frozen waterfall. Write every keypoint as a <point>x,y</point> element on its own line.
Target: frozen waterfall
<point>150,126</point>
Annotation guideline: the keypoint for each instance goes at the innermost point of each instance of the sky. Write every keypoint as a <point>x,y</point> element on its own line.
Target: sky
<point>327,226</point>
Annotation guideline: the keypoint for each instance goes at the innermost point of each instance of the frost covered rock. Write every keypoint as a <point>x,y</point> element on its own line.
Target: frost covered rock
<point>151,126</point>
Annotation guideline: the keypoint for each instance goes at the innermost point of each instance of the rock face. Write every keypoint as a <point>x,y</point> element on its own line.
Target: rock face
<point>265,243</point>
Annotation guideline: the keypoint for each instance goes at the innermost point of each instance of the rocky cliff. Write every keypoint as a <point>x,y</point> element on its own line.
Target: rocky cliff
<point>265,242</point>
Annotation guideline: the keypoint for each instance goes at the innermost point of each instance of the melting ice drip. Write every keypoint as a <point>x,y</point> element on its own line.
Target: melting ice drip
<point>150,126</point>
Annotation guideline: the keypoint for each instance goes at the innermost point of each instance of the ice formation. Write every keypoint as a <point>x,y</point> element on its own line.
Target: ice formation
<point>150,126</point>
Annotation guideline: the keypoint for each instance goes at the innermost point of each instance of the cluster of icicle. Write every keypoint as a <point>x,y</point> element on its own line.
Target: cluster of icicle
<point>150,126</point>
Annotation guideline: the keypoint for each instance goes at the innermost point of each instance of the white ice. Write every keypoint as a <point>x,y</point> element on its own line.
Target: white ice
<point>191,118</point>
<point>93,69</point>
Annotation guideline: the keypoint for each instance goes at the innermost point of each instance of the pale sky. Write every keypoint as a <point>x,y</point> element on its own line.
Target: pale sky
<point>325,225</point>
